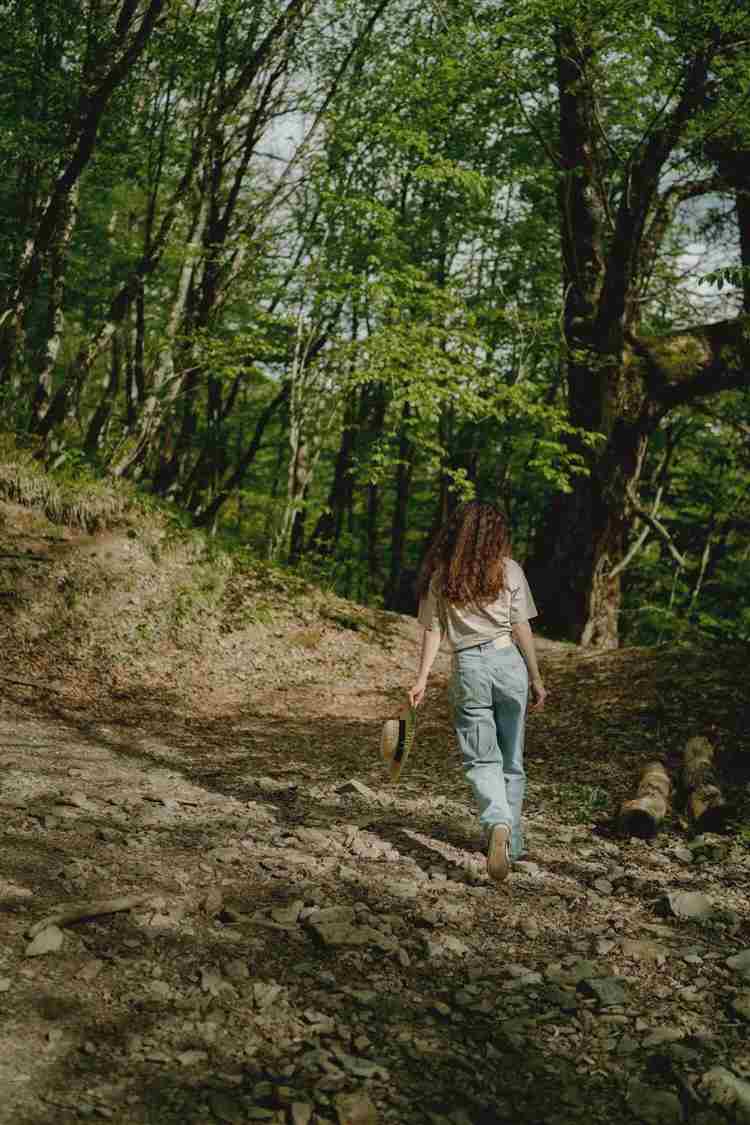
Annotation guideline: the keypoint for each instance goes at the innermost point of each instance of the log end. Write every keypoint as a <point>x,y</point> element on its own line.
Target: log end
<point>713,819</point>
<point>638,822</point>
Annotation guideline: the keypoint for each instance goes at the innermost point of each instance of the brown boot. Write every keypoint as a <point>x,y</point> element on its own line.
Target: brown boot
<point>498,853</point>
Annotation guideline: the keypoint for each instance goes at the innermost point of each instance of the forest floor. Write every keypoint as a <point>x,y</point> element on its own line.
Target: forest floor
<point>310,943</point>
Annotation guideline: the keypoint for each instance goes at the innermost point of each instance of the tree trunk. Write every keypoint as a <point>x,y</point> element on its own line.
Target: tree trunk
<point>583,538</point>
<point>172,469</point>
<point>55,312</point>
<point>460,454</point>
<point>165,383</point>
<point>585,533</point>
<point>206,516</point>
<point>100,418</point>
<point>297,533</point>
<point>228,98</point>
<point>375,399</point>
<point>743,221</point>
<point>619,384</point>
<point>327,530</point>
<point>393,594</point>
<point>120,54</point>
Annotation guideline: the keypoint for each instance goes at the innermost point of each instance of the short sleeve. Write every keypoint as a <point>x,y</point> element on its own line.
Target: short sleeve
<point>428,615</point>
<point>522,606</point>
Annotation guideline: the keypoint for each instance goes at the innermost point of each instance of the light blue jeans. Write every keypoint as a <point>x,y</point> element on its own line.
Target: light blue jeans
<point>488,692</point>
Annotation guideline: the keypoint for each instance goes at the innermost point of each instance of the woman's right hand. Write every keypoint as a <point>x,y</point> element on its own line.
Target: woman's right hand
<point>539,694</point>
<point>416,693</point>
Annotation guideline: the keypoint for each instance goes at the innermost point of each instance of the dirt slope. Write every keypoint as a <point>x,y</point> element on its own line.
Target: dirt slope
<point>304,951</point>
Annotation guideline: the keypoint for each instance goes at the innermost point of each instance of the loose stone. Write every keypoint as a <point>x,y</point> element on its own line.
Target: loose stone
<point>643,950</point>
<point>740,962</point>
<point>355,1109</point>
<point>606,990</point>
<point>49,940</point>
<point>725,1089</point>
<point>741,1005</point>
<point>691,905</point>
<point>655,1107</point>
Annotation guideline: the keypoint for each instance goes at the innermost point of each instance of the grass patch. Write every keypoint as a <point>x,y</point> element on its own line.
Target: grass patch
<point>578,802</point>
<point>72,496</point>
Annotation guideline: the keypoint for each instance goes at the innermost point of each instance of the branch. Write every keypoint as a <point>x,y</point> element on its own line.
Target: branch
<point>205,517</point>
<point>75,912</point>
<point>705,559</point>
<point>661,476</point>
<point>24,558</point>
<point>639,188</point>
<point>27,683</point>
<point>227,103</point>
<point>656,525</point>
<point>88,115</point>
<point>693,363</point>
<point>634,548</point>
<point>664,212</point>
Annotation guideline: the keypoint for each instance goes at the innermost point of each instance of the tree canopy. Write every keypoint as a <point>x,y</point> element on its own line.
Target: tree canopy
<point>317,270</point>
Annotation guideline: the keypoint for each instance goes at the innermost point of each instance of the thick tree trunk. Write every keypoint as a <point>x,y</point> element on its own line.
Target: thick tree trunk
<point>575,564</point>
<point>583,535</point>
<point>619,385</point>
<point>578,544</point>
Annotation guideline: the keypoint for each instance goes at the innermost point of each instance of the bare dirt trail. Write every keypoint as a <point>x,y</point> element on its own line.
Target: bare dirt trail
<point>310,950</point>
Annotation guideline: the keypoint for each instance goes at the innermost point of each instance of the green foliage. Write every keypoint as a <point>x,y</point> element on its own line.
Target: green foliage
<point>578,802</point>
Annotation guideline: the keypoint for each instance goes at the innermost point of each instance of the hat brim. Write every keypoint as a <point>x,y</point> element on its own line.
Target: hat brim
<point>397,740</point>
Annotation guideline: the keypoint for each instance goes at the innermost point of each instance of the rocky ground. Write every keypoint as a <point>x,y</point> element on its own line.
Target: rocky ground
<point>303,942</point>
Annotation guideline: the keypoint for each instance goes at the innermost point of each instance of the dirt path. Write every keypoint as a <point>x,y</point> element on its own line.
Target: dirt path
<point>306,953</point>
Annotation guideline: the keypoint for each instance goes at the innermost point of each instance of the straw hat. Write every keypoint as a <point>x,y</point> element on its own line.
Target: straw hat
<point>397,739</point>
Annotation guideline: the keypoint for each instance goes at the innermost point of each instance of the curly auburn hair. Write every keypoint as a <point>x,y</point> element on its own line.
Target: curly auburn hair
<point>467,556</point>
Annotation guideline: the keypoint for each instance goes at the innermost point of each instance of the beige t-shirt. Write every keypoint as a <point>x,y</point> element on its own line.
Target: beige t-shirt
<point>469,625</point>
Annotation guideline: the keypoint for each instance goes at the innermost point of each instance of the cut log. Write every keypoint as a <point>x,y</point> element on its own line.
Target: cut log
<point>642,815</point>
<point>76,911</point>
<point>29,684</point>
<point>705,806</point>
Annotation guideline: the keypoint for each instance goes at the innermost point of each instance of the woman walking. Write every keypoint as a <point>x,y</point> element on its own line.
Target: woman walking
<point>473,593</point>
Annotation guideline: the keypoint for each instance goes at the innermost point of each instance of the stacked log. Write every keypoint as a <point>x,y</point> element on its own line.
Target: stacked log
<point>642,815</point>
<point>705,806</point>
